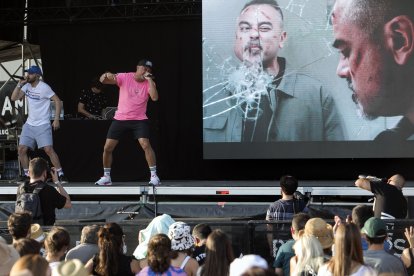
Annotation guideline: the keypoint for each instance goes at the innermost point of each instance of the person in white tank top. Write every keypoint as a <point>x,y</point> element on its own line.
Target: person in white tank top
<point>182,243</point>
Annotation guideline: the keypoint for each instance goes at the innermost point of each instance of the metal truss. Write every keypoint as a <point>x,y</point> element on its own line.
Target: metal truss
<point>73,13</point>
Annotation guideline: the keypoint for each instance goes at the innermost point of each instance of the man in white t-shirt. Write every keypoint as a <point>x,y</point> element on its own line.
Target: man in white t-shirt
<point>134,90</point>
<point>37,131</point>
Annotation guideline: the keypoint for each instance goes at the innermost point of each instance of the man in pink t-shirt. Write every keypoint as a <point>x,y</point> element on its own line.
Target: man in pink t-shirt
<point>134,91</point>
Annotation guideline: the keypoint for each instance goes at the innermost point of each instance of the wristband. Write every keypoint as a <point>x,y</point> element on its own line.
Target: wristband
<point>20,86</point>
<point>57,183</point>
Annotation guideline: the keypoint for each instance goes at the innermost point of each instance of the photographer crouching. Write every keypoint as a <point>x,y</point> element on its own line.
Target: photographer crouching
<point>40,198</point>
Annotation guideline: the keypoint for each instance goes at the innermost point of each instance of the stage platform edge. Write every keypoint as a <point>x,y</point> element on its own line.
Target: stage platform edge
<point>206,188</point>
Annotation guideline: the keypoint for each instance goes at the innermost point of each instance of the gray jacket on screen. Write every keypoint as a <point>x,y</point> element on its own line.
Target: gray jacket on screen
<point>302,111</point>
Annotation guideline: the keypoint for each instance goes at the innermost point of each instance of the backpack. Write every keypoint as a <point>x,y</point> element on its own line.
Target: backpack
<point>30,201</point>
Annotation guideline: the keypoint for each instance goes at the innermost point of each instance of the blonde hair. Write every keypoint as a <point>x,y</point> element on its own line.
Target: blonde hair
<point>309,254</point>
<point>348,249</point>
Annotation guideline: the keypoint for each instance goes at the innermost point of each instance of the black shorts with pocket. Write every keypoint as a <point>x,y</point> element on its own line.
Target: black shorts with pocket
<point>140,129</point>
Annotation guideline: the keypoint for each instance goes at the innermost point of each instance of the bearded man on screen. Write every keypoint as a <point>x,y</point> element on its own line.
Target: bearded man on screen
<point>262,100</point>
<point>375,39</point>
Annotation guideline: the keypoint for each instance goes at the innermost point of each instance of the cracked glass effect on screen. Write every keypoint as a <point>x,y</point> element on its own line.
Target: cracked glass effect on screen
<point>233,84</point>
<point>246,86</point>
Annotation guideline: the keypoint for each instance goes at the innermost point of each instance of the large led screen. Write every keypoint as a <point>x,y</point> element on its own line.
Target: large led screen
<point>272,87</point>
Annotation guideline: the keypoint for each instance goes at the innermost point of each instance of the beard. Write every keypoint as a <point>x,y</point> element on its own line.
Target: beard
<point>387,90</point>
<point>362,114</point>
<point>360,111</point>
<point>31,80</point>
<point>252,53</point>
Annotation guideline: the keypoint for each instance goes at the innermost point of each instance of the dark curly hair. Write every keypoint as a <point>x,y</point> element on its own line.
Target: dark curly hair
<point>19,224</point>
<point>159,253</point>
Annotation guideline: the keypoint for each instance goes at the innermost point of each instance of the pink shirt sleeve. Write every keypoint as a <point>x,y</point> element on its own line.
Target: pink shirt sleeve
<point>120,77</point>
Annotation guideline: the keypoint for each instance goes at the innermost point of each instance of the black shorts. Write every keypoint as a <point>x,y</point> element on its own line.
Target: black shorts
<point>140,128</point>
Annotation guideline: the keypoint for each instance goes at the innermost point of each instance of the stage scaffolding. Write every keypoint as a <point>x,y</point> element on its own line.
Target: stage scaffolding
<point>69,12</point>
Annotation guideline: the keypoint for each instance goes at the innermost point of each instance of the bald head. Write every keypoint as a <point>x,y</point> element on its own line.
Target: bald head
<point>397,180</point>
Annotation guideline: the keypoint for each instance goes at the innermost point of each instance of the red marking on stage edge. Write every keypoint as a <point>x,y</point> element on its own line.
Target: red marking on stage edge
<point>223,192</point>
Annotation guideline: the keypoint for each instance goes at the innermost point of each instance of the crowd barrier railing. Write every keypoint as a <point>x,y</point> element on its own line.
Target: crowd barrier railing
<point>247,236</point>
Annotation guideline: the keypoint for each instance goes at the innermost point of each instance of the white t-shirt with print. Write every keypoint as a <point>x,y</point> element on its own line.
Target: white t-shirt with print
<point>38,101</point>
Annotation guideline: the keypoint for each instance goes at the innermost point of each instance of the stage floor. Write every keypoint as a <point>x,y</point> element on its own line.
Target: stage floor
<point>208,188</point>
<point>220,199</point>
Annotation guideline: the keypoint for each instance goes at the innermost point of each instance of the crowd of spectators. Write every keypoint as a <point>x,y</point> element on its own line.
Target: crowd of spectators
<point>165,247</point>
<point>168,247</point>
<point>355,245</point>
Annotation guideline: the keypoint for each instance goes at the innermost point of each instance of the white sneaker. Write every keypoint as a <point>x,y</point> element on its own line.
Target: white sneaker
<point>104,181</point>
<point>154,180</point>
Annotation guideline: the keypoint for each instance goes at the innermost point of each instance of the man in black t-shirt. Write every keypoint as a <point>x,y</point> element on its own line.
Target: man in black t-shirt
<point>92,101</point>
<point>50,198</point>
<point>390,202</point>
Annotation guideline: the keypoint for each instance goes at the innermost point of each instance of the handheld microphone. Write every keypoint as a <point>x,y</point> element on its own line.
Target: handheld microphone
<point>151,76</point>
<point>18,77</point>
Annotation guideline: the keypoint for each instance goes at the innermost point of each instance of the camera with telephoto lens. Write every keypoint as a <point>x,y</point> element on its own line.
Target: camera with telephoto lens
<point>370,178</point>
<point>48,173</point>
<point>299,196</point>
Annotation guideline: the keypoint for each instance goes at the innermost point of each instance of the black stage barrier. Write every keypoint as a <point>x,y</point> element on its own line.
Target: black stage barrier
<point>79,144</point>
<point>248,237</point>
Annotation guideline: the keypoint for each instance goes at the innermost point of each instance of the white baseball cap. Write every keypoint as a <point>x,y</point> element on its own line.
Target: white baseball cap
<point>241,265</point>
